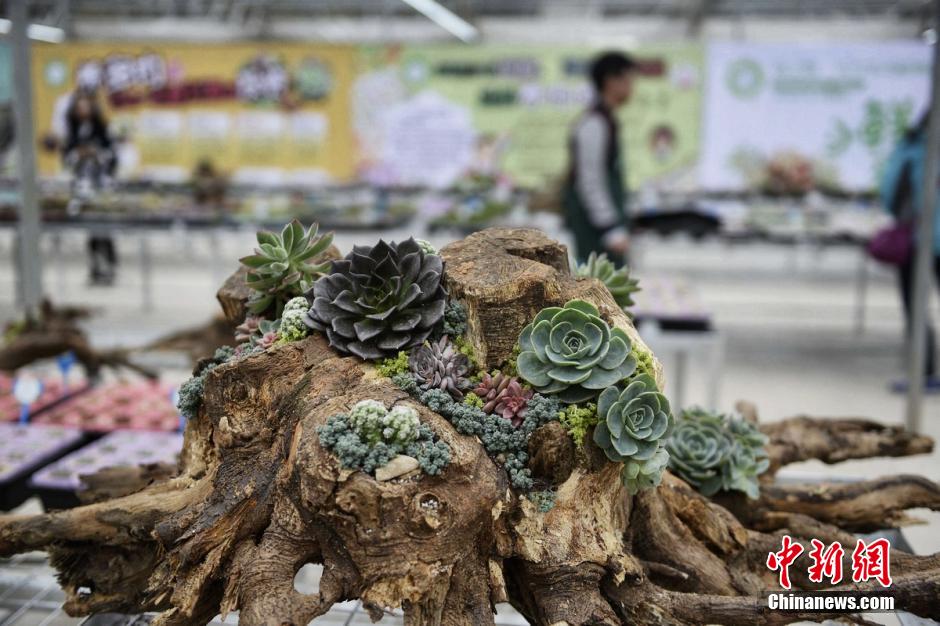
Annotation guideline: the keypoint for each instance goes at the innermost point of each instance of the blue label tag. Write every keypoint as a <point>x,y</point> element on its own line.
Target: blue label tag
<point>65,361</point>
<point>26,390</point>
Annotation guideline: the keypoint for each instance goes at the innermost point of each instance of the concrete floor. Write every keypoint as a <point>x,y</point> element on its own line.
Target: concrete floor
<point>786,316</point>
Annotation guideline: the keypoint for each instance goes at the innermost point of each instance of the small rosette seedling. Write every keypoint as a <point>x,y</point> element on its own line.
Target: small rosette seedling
<point>504,396</point>
<point>438,365</point>
<point>640,475</point>
<point>570,351</point>
<point>379,300</point>
<point>281,267</point>
<point>617,281</point>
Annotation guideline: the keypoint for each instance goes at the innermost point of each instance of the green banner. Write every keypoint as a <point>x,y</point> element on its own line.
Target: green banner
<point>521,102</point>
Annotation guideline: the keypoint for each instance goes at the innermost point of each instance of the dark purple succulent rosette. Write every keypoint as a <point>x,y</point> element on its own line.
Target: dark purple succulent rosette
<point>379,300</point>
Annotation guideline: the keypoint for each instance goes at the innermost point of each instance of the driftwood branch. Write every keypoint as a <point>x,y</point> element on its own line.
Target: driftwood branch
<point>835,440</point>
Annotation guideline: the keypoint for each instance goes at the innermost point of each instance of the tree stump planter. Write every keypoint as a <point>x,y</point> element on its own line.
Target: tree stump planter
<point>257,497</point>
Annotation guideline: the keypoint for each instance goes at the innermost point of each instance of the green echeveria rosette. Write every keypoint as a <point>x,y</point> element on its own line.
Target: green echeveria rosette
<point>632,420</point>
<point>640,475</point>
<point>379,300</point>
<point>617,281</point>
<point>699,448</point>
<point>571,352</point>
<point>282,266</point>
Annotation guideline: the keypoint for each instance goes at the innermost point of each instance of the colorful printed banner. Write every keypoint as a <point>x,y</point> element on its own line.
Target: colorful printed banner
<point>275,113</point>
<point>430,114</point>
<point>809,114</point>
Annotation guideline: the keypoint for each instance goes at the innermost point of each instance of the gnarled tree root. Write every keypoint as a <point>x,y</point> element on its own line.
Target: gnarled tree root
<point>257,497</point>
<point>834,440</point>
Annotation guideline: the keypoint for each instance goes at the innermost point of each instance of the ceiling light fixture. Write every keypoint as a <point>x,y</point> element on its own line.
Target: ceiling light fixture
<point>446,19</point>
<point>39,32</point>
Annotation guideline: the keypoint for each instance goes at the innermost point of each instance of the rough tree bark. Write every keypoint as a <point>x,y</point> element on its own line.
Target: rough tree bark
<point>257,497</point>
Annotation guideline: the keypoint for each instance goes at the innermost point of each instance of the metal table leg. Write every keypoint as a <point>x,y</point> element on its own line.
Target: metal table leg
<point>682,362</point>
<point>861,292</point>
<point>146,272</point>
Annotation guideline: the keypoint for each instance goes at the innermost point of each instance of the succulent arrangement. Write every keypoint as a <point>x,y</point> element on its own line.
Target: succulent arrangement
<point>369,436</point>
<point>379,300</point>
<point>281,267</point>
<point>501,439</point>
<point>503,395</point>
<point>571,352</point>
<point>438,365</point>
<point>715,452</point>
<point>387,303</point>
<point>618,281</point>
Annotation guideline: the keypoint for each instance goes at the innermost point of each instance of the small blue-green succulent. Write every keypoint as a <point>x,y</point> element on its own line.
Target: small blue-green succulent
<point>374,423</point>
<point>714,452</point>
<point>632,420</point>
<point>698,449</point>
<point>639,475</point>
<point>571,352</point>
<point>370,436</point>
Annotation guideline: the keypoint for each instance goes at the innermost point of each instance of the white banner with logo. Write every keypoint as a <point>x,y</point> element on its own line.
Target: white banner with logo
<point>808,115</point>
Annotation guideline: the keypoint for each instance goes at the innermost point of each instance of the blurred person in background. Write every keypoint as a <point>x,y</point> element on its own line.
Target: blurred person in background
<point>901,188</point>
<point>594,195</point>
<point>88,153</point>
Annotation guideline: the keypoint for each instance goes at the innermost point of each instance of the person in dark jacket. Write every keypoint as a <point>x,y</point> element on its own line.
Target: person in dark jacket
<point>88,152</point>
<point>595,194</point>
<point>900,190</point>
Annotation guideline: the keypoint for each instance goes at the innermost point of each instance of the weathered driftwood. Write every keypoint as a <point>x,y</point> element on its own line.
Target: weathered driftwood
<point>197,342</point>
<point>257,497</point>
<point>54,332</point>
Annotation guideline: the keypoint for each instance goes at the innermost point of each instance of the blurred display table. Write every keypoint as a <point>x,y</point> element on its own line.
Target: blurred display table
<point>672,321</point>
<point>121,405</point>
<point>26,448</point>
<point>57,484</point>
<point>53,393</point>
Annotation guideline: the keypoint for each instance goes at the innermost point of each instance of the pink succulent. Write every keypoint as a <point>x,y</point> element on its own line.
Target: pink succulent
<point>268,339</point>
<point>246,329</point>
<point>504,396</point>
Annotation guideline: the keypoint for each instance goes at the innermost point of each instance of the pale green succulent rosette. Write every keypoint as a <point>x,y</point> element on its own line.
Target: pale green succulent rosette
<point>640,475</point>
<point>633,421</point>
<point>699,449</point>
<point>571,352</point>
<point>715,452</point>
<point>748,459</point>
<point>617,281</point>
